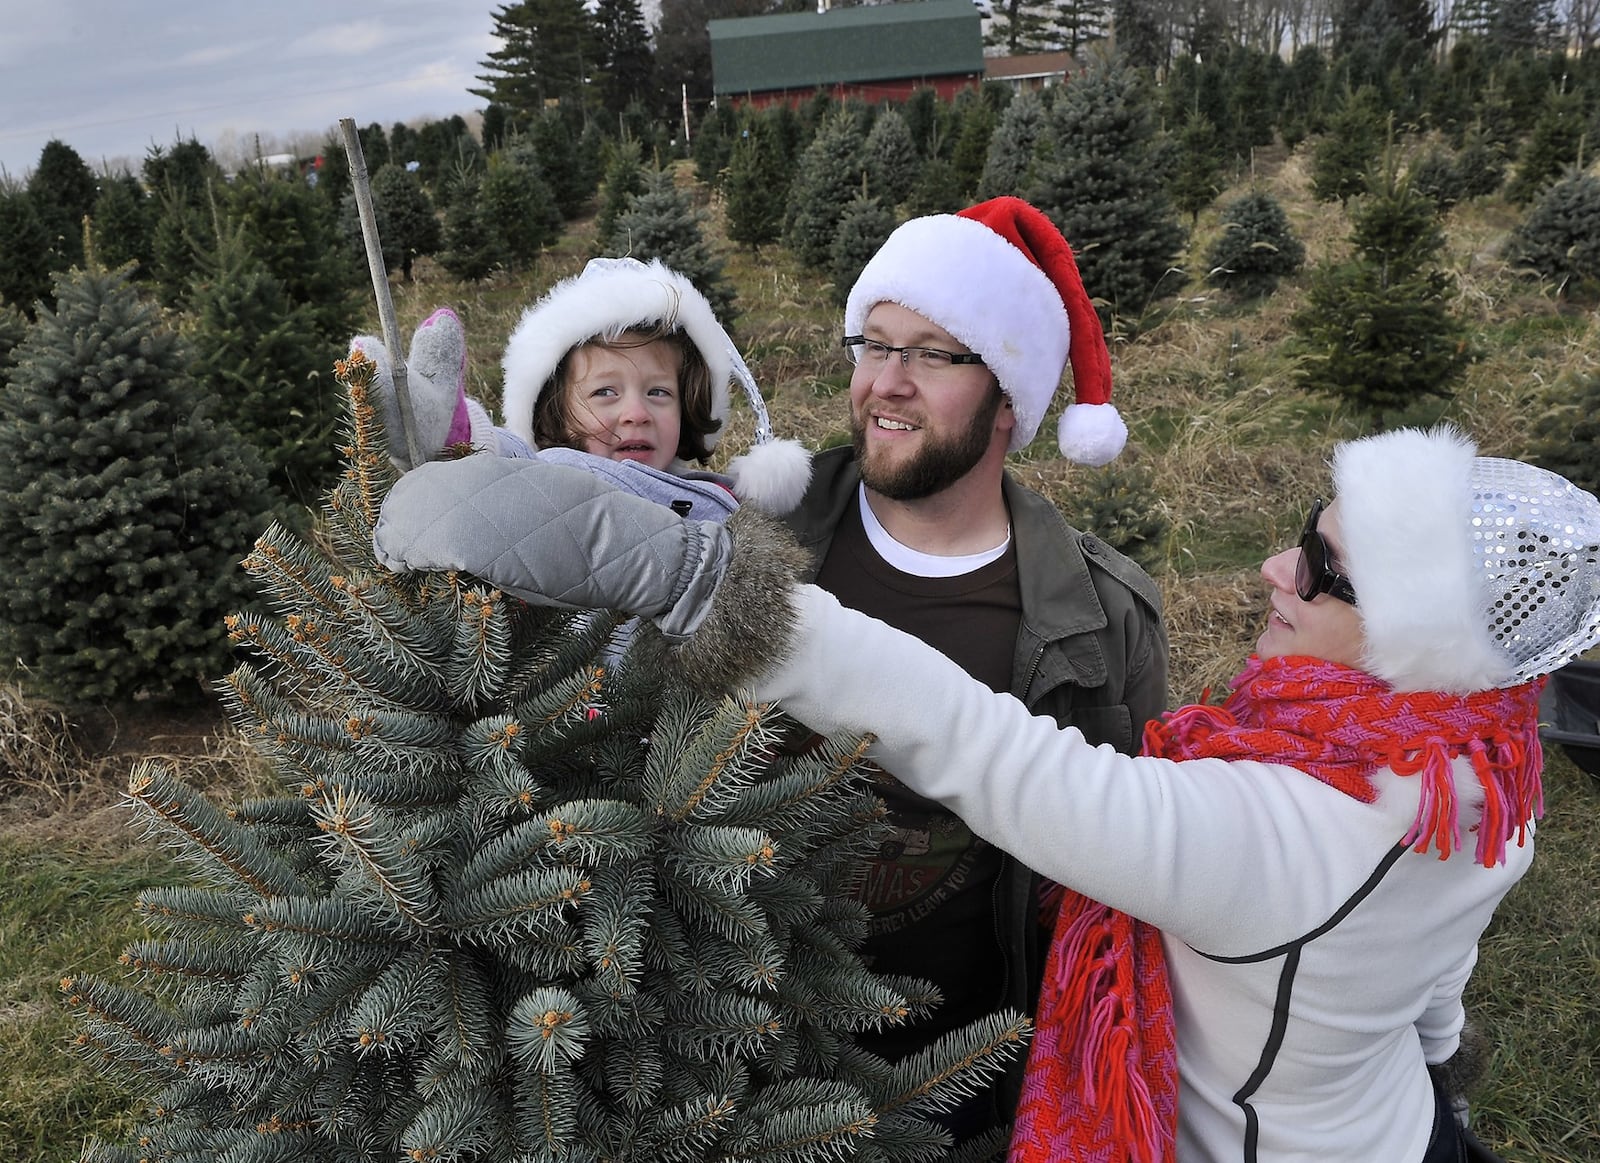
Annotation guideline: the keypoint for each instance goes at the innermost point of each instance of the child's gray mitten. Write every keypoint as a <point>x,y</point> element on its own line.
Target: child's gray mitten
<point>559,536</point>
<point>554,536</point>
<point>436,380</point>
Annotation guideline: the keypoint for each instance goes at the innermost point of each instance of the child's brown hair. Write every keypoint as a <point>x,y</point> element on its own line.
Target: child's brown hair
<point>553,425</point>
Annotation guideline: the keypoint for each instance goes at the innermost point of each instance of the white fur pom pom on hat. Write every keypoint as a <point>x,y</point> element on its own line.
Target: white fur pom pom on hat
<point>1000,278</point>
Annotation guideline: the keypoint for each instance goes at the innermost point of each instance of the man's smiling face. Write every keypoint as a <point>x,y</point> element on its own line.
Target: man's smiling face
<point>915,435</point>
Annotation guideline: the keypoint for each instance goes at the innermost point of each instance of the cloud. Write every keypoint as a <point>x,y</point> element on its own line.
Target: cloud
<point>112,78</point>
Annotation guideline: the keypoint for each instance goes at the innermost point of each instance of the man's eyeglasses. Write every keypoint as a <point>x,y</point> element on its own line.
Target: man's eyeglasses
<point>870,353</point>
<point>1313,574</point>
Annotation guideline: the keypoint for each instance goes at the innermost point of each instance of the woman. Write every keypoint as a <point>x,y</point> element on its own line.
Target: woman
<point>1321,853</point>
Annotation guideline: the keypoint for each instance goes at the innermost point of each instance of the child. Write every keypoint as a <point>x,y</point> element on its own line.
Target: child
<point>622,369</point>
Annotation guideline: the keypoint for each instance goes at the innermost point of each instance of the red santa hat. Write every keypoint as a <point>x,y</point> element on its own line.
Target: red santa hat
<point>999,277</point>
<point>612,295</point>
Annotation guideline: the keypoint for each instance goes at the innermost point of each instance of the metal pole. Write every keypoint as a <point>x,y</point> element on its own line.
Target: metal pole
<point>380,285</point>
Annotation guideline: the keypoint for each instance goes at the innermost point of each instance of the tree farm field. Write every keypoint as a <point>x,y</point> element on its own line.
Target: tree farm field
<point>1225,448</point>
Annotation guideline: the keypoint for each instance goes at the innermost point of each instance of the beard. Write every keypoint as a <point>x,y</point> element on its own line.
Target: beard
<point>937,465</point>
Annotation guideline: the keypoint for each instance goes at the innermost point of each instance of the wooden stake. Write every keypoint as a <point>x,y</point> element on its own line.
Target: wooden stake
<point>380,285</point>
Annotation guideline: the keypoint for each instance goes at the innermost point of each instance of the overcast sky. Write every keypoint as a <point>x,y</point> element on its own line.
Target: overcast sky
<point>113,77</point>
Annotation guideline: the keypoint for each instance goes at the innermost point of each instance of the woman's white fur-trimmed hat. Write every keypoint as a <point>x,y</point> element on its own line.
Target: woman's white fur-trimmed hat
<point>1000,278</point>
<point>1470,572</point>
<point>612,295</point>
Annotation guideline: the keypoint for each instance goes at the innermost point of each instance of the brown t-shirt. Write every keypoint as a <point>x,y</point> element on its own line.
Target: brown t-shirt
<point>932,884</point>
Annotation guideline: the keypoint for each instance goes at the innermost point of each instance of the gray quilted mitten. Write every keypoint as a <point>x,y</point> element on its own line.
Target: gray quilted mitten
<point>558,536</point>
<point>555,536</point>
<point>436,380</point>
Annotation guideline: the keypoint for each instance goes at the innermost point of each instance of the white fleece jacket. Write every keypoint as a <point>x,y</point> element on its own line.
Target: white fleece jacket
<point>1316,965</point>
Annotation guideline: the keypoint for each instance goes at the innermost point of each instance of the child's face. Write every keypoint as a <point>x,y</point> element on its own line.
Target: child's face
<point>623,402</point>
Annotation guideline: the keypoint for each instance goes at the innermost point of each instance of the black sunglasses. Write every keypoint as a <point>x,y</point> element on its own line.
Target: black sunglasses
<point>1312,574</point>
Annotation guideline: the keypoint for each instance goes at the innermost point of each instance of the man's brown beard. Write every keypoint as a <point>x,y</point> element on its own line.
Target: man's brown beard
<point>936,466</point>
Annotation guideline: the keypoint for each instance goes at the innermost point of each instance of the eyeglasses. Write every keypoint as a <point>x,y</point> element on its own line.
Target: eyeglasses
<point>1312,574</point>
<point>870,353</point>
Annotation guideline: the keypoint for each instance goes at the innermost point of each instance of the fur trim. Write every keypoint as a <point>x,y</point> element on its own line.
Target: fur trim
<point>1405,507</point>
<point>1091,433</point>
<point>964,277</point>
<point>772,476</point>
<point>751,625</point>
<point>606,294</point>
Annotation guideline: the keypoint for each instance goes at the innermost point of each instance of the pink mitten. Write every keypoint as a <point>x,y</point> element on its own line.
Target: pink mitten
<point>436,379</point>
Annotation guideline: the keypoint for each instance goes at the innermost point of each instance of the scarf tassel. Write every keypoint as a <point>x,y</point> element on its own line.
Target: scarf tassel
<point>1085,1014</point>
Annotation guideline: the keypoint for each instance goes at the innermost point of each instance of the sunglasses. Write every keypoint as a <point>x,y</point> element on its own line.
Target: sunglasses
<point>1313,574</point>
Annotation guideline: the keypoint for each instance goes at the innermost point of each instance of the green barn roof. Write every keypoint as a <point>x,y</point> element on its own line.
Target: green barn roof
<point>881,42</point>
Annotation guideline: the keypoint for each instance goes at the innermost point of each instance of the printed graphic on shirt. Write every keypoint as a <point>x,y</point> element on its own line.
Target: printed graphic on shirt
<point>926,860</point>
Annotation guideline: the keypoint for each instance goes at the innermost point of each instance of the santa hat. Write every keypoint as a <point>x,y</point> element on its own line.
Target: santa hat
<point>999,277</point>
<point>612,295</point>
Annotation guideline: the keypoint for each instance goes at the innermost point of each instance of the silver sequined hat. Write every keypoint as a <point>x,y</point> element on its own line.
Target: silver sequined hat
<point>1471,572</point>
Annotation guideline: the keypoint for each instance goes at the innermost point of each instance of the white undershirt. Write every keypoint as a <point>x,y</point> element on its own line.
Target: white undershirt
<point>914,561</point>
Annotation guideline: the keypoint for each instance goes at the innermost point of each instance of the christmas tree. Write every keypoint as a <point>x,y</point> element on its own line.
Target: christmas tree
<point>126,505</point>
<point>512,903</point>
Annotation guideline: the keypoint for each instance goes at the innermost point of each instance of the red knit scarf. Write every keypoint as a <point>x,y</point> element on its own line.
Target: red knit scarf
<point>1101,1077</point>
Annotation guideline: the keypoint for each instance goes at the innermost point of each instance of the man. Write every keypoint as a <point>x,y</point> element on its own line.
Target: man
<point>960,328</point>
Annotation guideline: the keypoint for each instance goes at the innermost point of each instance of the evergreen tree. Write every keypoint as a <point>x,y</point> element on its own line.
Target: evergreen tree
<point>407,225</point>
<point>921,112</point>
<point>473,245</point>
<point>756,190</point>
<point>495,127</point>
<point>971,147</point>
<point>1348,149</point>
<point>1119,504</point>
<point>825,179</point>
<point>63,190</point>
<point>624,178</point>
<point>1198,177</point>
<point>547,48</point>
<point>1299,104</point>
<point>518,206</point>
<point>1560,239</point>
<point>252,347</point>
<point>1480,166</point>
<point>1102,186</point>
<point>865,227</point>
<point>187,171</point>
<point>1568,432</point>
<point>1023,26</point>
<point>124,224</point>
<point>1377,330</point>
<point>126,507</point>
<point>1255,249</point>
<point>447,155</point>
<point>1009,164</point>
<point>375,147</point>
<point>24,252</point>
<point>509,901</point>
<point>1434,175</point>
<point>183,230</point>
<point>1551,148</point>
<point>663,223</point>
<point>937,190</point>
<point>571,181</point>
<point>626,72</point>
<point>891,159</point>
<point>13,330</point>
<point>295,233</point>
<point>403,144</point>
<point>713,143</point>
